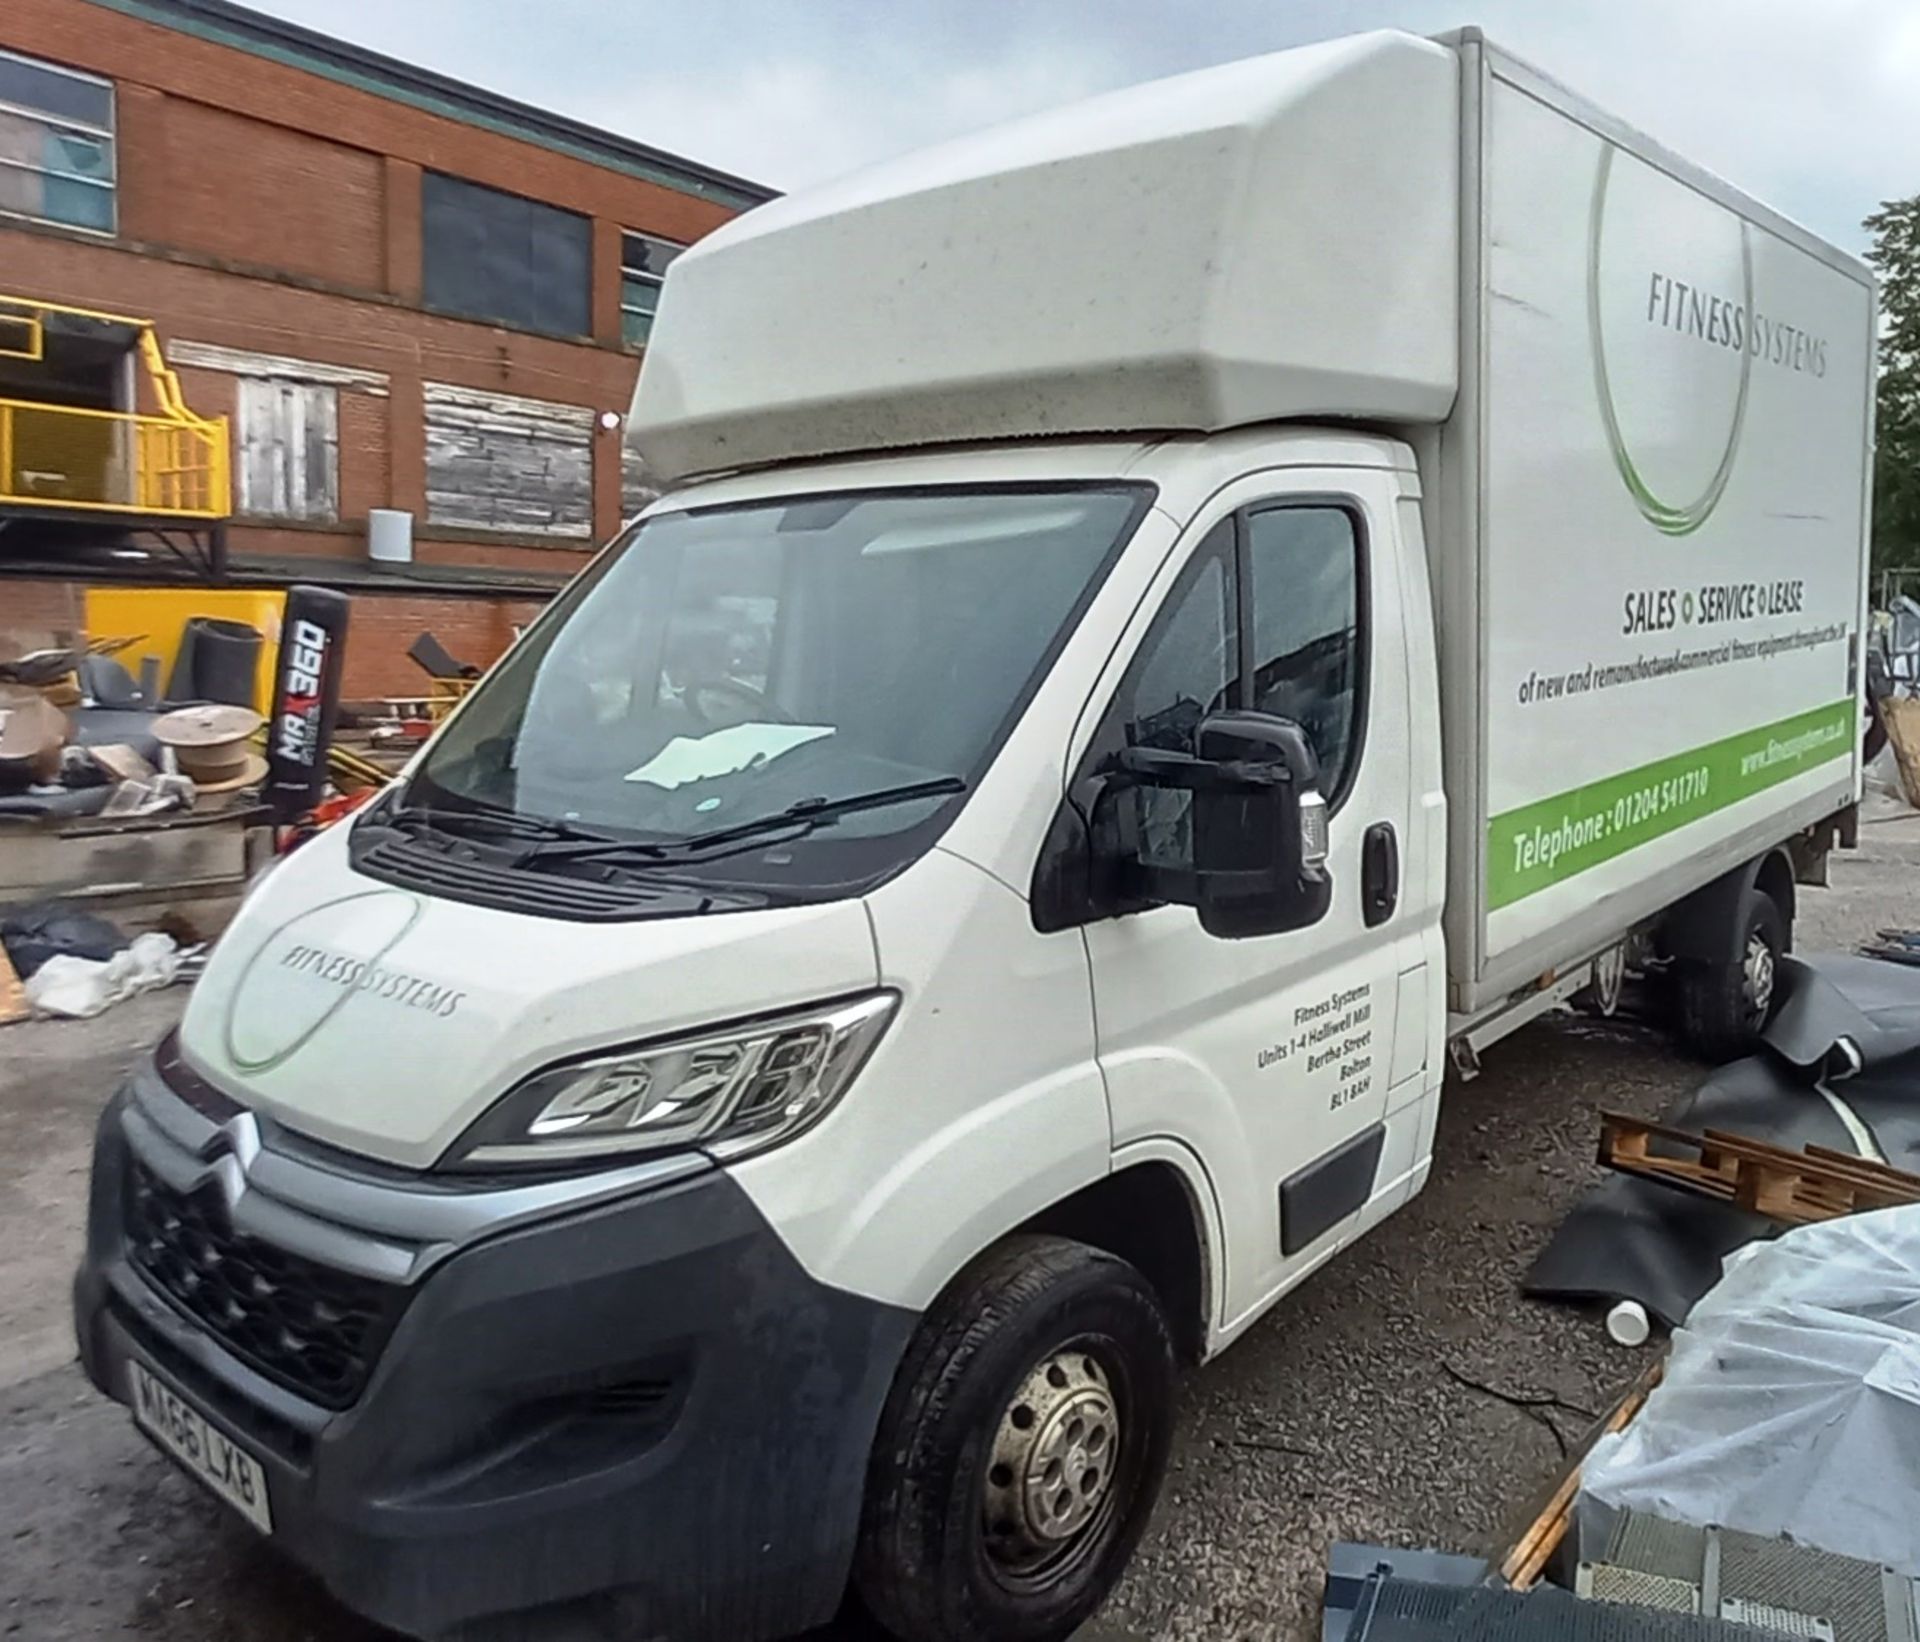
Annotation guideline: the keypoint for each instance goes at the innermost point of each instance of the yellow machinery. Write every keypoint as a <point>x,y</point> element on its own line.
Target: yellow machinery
<point>172,465</point>
<point>446,695</point>
<point>155,617</point>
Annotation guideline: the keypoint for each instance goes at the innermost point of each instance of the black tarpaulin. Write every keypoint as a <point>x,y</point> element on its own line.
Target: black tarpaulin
<point>1631,1239</point>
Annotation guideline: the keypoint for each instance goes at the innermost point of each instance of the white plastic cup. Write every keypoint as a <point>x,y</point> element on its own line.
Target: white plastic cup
<point>1628,1325</point>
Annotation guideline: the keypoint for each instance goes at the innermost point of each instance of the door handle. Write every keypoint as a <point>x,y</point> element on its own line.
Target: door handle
<point>1379,874</point>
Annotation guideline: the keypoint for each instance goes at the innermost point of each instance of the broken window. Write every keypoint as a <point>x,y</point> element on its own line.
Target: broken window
<point>643,270</point>
<point>56,144</point>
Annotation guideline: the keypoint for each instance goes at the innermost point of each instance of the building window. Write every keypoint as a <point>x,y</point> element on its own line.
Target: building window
<point>493,256</point>
<point>643,269</point>
<point>56,144</point>
<point>287,438</point>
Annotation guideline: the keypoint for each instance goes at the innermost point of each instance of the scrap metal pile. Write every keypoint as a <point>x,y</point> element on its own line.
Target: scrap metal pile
<point>135,807</point>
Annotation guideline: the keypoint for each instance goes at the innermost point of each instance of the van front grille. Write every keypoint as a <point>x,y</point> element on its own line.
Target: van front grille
<point>313,1329</point>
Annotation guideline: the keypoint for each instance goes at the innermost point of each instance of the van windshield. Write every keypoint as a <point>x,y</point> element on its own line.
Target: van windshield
<point>724,668</point>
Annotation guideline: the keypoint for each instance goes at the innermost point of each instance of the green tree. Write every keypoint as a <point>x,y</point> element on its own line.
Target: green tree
<point>1896,477</point>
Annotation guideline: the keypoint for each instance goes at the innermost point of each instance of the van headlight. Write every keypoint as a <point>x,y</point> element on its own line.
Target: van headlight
<point>728,1092</point>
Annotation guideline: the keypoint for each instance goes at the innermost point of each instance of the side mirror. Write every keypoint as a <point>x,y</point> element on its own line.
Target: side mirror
<point>1256,835</point>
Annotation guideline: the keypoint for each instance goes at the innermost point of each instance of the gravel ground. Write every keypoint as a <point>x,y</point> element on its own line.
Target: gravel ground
<point>1347,1413</point>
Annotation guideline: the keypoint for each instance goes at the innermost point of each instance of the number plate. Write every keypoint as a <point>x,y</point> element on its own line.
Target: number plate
<point>183,1431</point>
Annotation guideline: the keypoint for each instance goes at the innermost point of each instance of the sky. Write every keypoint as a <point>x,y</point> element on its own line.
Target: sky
<point>1808,104</point>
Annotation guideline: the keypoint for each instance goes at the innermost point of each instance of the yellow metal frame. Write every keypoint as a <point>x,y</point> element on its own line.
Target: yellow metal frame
<point>178,464</point>
<point>34,348</point>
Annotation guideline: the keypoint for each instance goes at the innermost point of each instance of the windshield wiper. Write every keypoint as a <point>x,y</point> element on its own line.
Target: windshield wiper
<point>818,811</point>
<point>807,814</point>
<point>505,824</point>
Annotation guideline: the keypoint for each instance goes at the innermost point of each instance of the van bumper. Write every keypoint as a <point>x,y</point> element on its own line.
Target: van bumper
<point>641,1418</point>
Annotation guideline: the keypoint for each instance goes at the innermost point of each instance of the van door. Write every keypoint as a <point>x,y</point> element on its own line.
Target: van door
<point>1269,1057</point>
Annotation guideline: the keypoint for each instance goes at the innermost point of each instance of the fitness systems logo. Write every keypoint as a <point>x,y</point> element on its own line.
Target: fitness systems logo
<point>1674,420</point>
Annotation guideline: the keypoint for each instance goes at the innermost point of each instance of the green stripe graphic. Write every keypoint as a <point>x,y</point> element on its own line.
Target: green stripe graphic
<point>1557,838</point>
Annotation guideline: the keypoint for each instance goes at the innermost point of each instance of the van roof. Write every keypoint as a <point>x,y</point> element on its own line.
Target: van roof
<point>1270,238</point>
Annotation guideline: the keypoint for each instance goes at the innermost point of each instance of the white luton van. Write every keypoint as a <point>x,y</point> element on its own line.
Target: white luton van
<point>1174,615</point>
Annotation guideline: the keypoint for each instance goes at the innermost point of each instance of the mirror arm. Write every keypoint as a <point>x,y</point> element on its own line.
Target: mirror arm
<point>1155,767</point>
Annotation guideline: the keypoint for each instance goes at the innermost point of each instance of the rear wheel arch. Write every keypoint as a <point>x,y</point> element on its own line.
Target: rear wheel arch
<point>1706,927</point>
<point>1774,878</point>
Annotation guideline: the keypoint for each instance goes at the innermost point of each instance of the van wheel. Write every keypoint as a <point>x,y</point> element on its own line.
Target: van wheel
<point>1723,1007</point>
<point>1020,1450</point>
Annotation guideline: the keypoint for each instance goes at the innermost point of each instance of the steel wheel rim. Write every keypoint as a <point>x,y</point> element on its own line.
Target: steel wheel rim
<point>1757,975</point>
<point>1609,977</point>
<point>1055,1468</point>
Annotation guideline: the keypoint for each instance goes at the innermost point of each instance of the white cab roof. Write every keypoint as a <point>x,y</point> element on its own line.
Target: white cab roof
<point>1272,238</point>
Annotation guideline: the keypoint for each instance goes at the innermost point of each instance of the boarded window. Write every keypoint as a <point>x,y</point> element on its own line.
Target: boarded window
<point>637,486</point>
<point>494,256</point>
<point>496,461</point>
<point>288,436</point>
<point>56,144</point>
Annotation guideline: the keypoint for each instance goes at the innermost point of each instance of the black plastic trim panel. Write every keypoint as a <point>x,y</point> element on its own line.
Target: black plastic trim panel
<point>458,875</point>
<point>1326,1191</point>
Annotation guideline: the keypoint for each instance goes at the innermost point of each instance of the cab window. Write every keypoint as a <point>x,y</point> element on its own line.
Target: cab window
<point>1266,616</point>
<point>1188,667</point>
<point>1303,563</point>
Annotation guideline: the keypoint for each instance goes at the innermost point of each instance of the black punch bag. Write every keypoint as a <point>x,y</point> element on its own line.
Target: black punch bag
<point>217,661</point>
<point>306,699</point>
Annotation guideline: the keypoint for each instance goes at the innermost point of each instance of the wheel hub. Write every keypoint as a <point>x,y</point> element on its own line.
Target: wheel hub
<point>1757,970</point>
<point>1609,975</point>
<point>1054,1455</point>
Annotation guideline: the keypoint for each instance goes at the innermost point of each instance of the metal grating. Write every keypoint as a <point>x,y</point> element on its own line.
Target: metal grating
<point>311,1328</point>
<point>1773,1584</point>
<point>1671,1549</point>
<point>1406,1611</point>
<point>1798,1580</point>
<point>1763,1616</point>
<point>1603,1582</point>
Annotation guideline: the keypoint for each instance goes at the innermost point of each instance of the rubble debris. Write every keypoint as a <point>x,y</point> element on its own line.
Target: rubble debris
<point>80,988</point>
<point>32,733</point>
<point>31,935</point>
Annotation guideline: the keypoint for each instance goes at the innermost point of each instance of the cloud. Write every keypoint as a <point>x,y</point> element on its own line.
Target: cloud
<point>798,120</point>
<point>1811,110</point>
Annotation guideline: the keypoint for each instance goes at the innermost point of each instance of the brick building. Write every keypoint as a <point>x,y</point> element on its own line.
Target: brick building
<point>401,291</point>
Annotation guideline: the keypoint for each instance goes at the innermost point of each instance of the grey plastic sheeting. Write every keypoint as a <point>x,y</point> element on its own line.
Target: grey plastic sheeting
<point>1632,1239</point>
<point>1791,1402</point>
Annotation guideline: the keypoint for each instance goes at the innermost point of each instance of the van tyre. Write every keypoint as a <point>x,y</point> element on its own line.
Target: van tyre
<point>1020,1450</point>
<point>1724,1007</point>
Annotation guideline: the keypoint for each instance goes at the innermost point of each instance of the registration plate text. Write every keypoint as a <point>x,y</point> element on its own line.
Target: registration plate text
<point>232,1473</point>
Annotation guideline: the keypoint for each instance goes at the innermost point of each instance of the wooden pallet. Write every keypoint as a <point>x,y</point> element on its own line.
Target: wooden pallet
<point>1545,1531</point>
<point>1792,1188</point>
